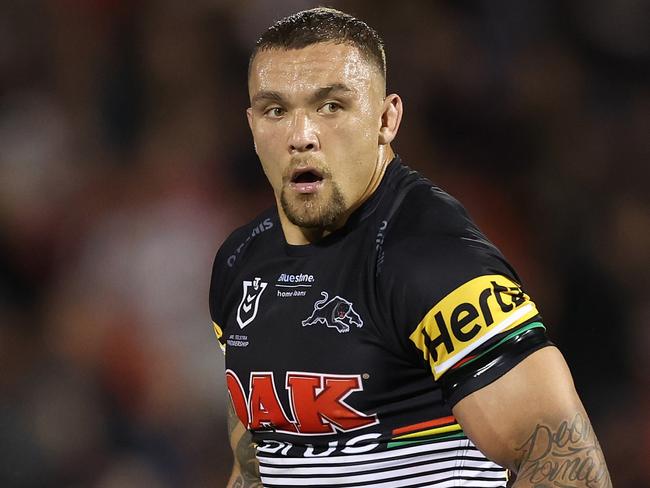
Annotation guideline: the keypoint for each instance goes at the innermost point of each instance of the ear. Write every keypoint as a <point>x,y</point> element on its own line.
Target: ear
<point>390,118</point>
<point>249,116</point>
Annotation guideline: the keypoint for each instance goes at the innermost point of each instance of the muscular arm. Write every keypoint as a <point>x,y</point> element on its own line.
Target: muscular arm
<point>531,421</point>
<point>245,471</point>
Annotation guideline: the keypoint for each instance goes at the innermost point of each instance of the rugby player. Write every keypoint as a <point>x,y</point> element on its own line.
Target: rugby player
<point>374,337</point>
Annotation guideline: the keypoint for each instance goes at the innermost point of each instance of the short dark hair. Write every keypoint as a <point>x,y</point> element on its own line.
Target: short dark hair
<point>323,24</point>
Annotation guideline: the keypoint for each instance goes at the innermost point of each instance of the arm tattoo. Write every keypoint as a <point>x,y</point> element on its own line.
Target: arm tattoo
<point>233,420</point>
<point>241,482</point>
<point>244,452</point>
<point>566,457</point>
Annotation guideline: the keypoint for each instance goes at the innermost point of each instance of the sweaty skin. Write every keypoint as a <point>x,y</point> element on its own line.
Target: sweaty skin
<point>321,107</point>
<point>532,421</point>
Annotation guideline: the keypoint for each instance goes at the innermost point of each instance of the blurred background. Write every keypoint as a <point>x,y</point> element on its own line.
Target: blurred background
<point>125,161</point>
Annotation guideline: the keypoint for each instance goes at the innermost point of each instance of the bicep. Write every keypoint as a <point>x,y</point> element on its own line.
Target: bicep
<point>532,421</point>
<point>245,472</point>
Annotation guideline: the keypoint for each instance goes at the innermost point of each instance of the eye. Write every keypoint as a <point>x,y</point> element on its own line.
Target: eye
<point>331,107</point>
<point>275,112</point>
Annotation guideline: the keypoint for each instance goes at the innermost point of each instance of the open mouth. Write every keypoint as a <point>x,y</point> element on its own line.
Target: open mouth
<point>306,180</point>
<point>306,175</point>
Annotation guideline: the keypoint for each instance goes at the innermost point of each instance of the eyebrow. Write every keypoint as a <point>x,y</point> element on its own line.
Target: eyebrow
<point>327,91</point>
<point>319,94</point>
<point>267,95</point>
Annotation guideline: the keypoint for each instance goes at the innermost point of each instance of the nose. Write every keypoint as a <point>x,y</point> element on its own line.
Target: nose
<point>303,134</point>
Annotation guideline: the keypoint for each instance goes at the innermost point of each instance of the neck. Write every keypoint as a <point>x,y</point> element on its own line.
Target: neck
<point>296,235</point>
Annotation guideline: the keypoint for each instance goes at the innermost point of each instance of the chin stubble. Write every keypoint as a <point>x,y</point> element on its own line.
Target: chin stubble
<point>309,211</point>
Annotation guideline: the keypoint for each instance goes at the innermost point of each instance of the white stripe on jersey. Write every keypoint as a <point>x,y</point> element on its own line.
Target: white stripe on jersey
<point>494,330</point>
<point>359,458</point>
<point>436,480</point>
<point>475,462</point>
<point>453,463</point>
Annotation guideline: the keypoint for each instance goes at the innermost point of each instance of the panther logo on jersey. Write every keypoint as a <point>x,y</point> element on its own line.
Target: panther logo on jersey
<point>337,313</point>
<point>247,310</point>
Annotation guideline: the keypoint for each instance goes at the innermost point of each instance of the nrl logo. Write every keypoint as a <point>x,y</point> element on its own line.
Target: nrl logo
<point>337,313</point>
<point>247,310</point>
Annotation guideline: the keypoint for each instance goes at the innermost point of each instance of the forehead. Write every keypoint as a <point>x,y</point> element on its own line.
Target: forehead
<point>313,66</point>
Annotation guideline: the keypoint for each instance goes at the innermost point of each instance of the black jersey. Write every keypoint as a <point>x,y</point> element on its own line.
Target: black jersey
<point>345,357</point>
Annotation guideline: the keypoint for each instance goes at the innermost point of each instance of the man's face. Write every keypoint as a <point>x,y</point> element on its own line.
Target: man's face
<point>315,117</point>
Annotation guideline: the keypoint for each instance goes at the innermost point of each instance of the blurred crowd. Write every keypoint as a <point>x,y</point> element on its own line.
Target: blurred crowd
<point>125,161</point>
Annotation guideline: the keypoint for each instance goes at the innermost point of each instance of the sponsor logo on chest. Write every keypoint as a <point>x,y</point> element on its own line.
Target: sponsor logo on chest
<point>317,402</point>
<point>294,285</point>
